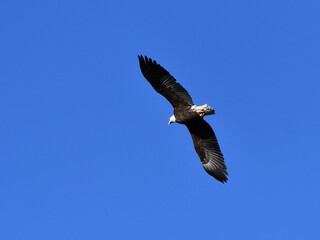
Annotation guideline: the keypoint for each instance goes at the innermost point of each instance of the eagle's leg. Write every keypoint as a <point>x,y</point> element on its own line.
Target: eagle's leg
<point>200,112</point>
<point>203,110</point>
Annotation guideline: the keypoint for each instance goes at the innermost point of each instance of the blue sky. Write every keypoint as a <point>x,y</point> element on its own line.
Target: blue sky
<point>85,149</point>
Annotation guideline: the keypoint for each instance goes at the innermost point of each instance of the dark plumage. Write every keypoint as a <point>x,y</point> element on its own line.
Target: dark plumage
<point>185,112</point>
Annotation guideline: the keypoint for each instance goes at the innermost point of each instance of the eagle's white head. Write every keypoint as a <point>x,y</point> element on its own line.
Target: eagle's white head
<point>172,119</point>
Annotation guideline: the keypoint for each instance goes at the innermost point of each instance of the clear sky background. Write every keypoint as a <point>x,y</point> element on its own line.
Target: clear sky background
<point>85,149</point>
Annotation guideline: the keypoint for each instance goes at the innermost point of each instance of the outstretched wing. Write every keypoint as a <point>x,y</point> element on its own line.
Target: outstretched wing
<point>164,83</point>
<point>207,147</point>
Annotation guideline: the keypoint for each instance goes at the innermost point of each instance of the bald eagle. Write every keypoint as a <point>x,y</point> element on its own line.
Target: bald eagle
<point>185,112</point>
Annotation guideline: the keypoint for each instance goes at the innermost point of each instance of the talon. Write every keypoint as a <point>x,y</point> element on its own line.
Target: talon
<point>200,112</point>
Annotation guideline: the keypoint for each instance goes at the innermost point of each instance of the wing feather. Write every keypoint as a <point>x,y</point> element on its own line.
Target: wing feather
<point>164,83</point>
<point>207,147</point>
